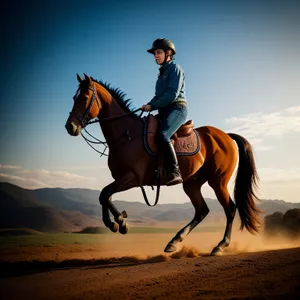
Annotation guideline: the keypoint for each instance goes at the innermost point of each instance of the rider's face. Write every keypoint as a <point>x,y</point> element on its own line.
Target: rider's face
<point>159,56</point>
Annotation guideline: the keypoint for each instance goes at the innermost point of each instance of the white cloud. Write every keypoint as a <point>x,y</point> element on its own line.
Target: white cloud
<point>273,175</point>
<point>9,167</point>
<point>293,109</point>
<point>33,179</point>
<point>21,181</point>
<point>278,183</point>
<point>87,167</point>
<point>259,127</point>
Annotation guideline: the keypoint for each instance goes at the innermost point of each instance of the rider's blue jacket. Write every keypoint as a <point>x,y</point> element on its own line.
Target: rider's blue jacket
<point>170,86</point>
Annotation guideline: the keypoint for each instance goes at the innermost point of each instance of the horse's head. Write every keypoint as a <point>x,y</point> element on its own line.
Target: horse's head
<point>87,106</point>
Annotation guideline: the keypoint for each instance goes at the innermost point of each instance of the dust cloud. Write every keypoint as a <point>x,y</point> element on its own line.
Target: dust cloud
<point>147,248</point>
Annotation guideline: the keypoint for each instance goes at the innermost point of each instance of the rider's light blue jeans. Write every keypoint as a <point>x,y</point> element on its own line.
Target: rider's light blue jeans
<point>172,117</point>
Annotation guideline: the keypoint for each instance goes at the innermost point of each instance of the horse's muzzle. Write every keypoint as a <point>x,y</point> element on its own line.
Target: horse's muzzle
<point>72,129</point>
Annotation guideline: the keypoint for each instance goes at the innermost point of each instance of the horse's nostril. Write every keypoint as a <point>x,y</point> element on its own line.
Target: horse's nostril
<point>69,127</point>
<point>72,129</point>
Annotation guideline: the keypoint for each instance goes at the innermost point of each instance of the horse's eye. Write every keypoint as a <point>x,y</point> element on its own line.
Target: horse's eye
<point>86,99</point>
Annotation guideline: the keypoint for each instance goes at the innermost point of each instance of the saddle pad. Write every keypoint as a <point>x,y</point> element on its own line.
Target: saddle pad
<point>187,145</point>
<point>184,146</point>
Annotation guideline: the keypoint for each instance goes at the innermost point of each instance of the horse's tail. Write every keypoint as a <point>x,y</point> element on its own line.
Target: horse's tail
<point>245,184</point>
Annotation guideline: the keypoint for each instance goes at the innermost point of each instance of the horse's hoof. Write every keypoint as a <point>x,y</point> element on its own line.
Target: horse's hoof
<point>123,229</point>
<point>114,227</point>
<point>124,214</point>
<point>217,251</point>
<point>170,248</point>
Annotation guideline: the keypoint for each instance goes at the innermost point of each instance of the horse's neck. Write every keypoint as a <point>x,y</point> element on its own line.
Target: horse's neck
<point>113,130</point>
<point>111,109</point>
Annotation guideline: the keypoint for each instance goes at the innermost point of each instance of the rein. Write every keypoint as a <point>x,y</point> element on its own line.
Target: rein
<point>115,117</point>
<point>146,198</point>
<point>98,120</point>
<point>97,141</point>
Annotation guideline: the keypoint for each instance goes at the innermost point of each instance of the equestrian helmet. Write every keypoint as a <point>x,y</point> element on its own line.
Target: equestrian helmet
<point>163,44</point>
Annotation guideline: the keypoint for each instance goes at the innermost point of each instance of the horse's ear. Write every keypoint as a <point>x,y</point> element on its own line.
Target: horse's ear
<point>87,78</point>
<point>79,78</point>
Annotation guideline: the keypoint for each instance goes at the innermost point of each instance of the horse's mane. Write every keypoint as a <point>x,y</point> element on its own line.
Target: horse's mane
<point>117,94</point>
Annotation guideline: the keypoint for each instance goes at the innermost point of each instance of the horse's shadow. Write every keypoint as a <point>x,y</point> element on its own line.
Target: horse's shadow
<point>22,268</point>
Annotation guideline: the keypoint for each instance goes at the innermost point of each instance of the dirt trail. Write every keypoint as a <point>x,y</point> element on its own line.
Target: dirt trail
<point>142,246</point>
<point>262,275</point>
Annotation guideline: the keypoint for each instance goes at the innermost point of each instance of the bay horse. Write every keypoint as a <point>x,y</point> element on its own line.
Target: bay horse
<point>132,166</point>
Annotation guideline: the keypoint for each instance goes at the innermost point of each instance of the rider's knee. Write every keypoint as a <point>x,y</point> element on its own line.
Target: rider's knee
<point>163,137</point>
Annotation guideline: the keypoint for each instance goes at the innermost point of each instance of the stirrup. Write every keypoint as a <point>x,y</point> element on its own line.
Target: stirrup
<point>175,180</point>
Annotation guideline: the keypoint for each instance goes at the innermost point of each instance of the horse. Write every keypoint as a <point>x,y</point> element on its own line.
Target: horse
<point>132,166</point>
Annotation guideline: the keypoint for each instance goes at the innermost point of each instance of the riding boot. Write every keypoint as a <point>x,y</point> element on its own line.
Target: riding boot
<point>173,175</point>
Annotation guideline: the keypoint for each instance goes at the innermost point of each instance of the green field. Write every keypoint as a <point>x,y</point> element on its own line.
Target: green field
<point>52,239</point>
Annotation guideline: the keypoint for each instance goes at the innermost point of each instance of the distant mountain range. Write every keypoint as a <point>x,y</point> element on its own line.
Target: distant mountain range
<point>57,209</point>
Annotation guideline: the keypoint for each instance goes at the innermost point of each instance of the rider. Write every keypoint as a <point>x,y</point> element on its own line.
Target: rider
<point>170,100</point>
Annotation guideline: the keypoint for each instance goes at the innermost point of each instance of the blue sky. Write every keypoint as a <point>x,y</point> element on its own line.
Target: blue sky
<point>242,65</point>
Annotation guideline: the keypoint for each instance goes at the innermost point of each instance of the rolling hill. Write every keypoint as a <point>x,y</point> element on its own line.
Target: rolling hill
<point>21,208</point>
<point>57,209</point>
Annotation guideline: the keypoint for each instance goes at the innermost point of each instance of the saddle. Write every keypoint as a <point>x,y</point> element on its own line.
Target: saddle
<point>185,140</point>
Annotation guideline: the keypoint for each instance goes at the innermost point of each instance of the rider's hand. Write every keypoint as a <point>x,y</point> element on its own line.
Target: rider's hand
<point>146,107</point>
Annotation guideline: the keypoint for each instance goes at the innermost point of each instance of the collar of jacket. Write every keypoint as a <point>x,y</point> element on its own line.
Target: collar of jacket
<point>165,66</point>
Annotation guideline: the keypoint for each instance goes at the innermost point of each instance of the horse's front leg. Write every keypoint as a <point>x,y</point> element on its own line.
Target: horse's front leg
<point>125,183</point>
<point>114,227</point>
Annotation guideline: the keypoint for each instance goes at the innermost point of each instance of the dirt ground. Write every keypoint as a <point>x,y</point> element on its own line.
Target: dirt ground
<point>135,267</point>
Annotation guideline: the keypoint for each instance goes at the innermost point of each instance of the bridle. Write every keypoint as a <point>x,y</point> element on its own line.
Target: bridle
<point>84,120</point>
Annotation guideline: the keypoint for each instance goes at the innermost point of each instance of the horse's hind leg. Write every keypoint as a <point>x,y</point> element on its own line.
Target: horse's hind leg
<point>192,189</point>
<point>229,207</point>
